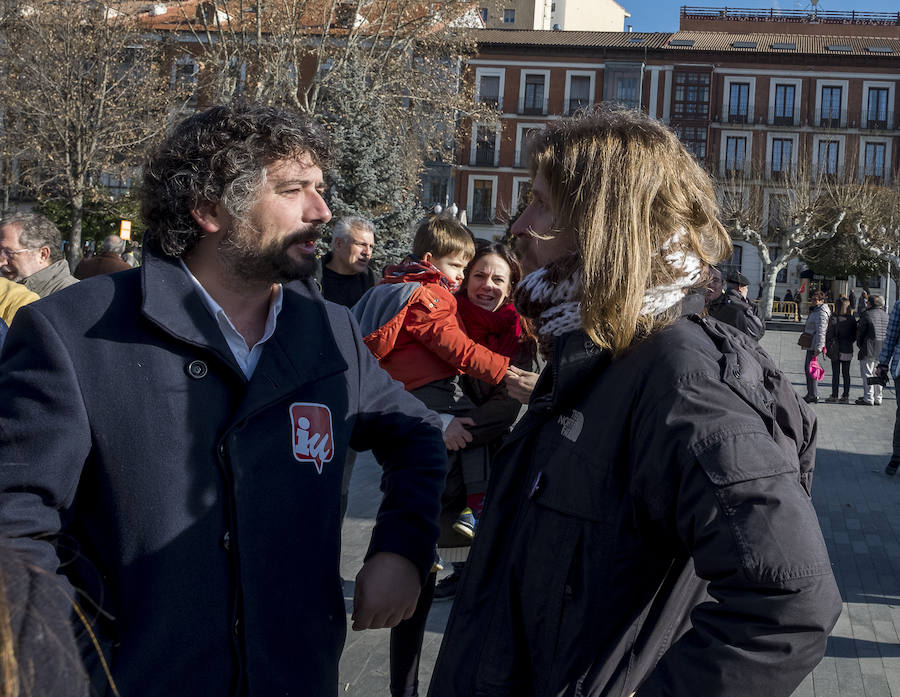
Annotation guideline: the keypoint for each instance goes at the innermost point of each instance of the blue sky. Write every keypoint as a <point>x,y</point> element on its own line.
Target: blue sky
<point>662,15</point>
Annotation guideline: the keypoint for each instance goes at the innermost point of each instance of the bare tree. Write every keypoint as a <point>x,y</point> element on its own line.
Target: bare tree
<point>786,214</point>
<point>385,76</point>
<point>83,91</point>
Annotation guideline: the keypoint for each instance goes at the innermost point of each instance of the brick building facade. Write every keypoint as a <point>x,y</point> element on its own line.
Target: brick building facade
<point>749,93</point>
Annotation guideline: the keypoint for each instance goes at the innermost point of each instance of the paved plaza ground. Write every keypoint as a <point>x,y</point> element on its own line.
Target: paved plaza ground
<point>859,511</point>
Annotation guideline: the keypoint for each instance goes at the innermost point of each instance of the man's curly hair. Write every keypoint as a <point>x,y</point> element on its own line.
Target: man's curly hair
<point>219,156</point>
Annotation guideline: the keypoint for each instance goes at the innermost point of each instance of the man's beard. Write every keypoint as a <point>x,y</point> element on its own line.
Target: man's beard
<point>245,257</point>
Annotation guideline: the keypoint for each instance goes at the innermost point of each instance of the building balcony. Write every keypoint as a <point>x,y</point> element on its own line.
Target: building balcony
<point>482,215</point>
<point>533,109</point>
<point>879,120</point>
<point>484,157</point>
<point>875,179</point>
<point>737,119</point>
<point>575,105</point>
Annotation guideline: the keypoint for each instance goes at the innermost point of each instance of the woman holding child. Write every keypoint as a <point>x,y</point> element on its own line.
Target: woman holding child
<point>409,322</point>
<point>485,309</point>
<point>648,526</point>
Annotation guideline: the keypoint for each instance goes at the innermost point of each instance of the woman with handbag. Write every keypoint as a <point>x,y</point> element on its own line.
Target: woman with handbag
<point>813,340</point>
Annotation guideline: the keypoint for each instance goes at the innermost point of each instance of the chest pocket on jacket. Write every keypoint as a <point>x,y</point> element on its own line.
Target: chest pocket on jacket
<point>571,480</point>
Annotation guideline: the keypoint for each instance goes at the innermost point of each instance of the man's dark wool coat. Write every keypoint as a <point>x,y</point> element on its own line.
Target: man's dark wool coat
<point>174,494</point>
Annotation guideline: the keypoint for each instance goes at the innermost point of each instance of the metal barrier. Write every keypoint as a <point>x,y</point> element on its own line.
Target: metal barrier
<point>785,310</point>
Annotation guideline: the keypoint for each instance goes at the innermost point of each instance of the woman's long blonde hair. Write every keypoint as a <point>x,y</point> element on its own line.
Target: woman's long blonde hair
<point>625,185</point>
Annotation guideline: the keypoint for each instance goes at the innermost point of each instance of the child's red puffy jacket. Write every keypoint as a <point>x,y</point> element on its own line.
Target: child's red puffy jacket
<point>414,332</point>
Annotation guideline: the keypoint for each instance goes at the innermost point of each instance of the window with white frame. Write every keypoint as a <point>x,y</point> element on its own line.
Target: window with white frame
<point>489,92</point>
<point>521,190</point>
<point>876,115</point>
<point>784,104</point>
<point>485,150</point>
<point>828,157</point>
<point>873,161</point>
<point>580,90</point>
<point>622,83</point>
<point>738,102</point>
<point>735,154</point>
<point>830,112</point>
<point>782,156</point>
<point>534,92</point>
<point>525,132</point>
<point>483,200</point>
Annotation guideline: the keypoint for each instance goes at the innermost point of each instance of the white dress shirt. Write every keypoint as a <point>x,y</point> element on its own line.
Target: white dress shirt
<point>246,357</point>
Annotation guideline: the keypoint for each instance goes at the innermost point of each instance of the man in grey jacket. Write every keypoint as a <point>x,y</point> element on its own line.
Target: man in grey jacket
<point>31,254</point>
<point>870,332</point>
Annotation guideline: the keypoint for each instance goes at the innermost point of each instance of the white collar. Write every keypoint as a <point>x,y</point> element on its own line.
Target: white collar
<point>246,357</point>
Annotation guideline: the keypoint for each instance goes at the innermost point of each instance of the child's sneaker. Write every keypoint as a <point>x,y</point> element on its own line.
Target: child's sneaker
<point>465,524</point>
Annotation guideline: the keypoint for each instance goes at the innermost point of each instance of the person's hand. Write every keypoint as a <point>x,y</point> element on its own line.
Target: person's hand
<point>387,589</point>
<point>520,383</point>
<point>881,370</point>
<point>456,436</point>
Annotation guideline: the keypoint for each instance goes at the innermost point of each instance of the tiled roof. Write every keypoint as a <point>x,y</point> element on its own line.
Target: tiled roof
<point>805,44</point>
<point>575,39</point>
<point>695,41</point>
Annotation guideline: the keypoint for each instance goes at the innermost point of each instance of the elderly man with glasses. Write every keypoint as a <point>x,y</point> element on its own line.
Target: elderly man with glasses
<point>31,254</point>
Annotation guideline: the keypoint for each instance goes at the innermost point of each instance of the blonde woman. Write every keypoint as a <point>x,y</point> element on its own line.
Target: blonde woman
<point>648,526</point>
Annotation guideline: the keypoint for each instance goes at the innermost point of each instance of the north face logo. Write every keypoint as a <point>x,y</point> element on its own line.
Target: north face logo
<point>571,425</point>
<point>313,439</point>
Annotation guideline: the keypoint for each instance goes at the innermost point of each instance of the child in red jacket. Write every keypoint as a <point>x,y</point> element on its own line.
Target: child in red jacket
<point>409,320</point>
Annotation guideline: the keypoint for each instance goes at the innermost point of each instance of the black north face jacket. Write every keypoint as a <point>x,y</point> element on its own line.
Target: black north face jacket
<point>648,528</point>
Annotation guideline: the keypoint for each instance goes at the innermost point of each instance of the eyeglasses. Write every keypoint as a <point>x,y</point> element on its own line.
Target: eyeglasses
<point>4,252</point>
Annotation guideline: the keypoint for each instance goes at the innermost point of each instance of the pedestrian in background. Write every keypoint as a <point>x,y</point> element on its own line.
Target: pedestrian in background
<point>839,338</point>
<point>108,260</point>
<point>889,367</point>
<point>813,340</point>
<point>871,328</point>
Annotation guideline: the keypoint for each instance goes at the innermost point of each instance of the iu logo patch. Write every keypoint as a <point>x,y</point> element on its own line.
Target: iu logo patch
<point>312,436</point>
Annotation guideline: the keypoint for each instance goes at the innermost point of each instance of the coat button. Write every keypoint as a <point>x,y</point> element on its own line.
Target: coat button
<point>226,541</point>
<point>197,369</point>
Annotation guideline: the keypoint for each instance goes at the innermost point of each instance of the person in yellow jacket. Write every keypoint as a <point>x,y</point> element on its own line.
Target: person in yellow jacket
<point>12,297</point>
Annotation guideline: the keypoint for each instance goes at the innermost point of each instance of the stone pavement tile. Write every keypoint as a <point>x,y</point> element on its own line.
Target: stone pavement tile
<point>892,675</point>
<point>876,684</point>
<point>824,677</point>
<point>849,677</point>
<point>805,688</point>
